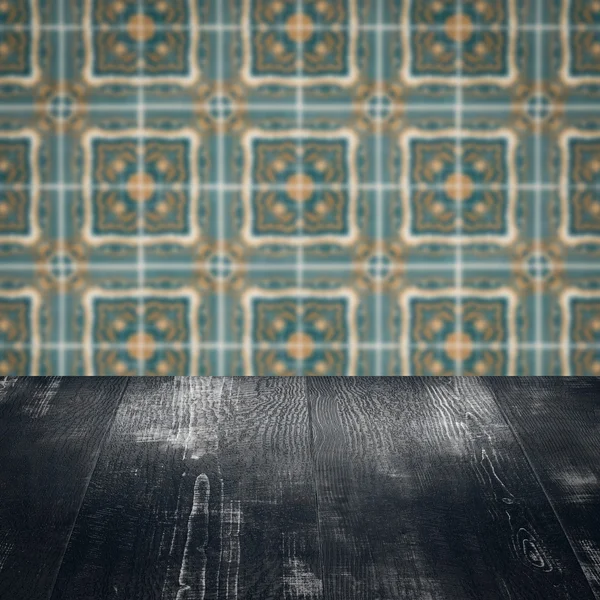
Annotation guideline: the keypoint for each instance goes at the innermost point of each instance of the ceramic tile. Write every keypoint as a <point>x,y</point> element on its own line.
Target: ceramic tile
<point>299,186</point>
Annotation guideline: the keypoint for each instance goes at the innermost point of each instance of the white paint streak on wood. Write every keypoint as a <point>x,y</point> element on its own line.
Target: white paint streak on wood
<point>40,401</point>
<point>194,408</point>
<point>6,547</point>
<point>578,478</point>
<point>232,518</point>
<point>174,536</point>
<point>298,579</point>
<point>222,540</point>
<point>488,467</point>
<point>194,556</point>
<point>591,567</point>
<point>195,405</point>
<point>6,384</point>
<point>220,536</point>
<point>205,404</point>
<point>449,423</point>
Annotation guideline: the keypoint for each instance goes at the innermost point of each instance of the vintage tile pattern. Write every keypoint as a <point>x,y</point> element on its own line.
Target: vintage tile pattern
<point>136,326</point>
<point>482,344</point>
<point>300,186</point>
<point>124,39</point>
<point>437,185</point>
<point>362,187</point>
<point>285,46</point>
<point>19,179</point>
<point>479,40</point>
<point>292,328</point>
<point>115,186</point>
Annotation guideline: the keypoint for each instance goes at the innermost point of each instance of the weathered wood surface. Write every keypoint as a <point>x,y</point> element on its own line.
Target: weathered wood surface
<point>267,471</point>
<point>192,467</point>
<point>424,492</point>
<point>557,421</point>
<point>298,488</point>
<point>148,490</point>
<point>51,432</point>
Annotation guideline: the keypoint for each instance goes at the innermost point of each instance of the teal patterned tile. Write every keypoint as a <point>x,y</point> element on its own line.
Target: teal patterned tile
<point>574,309</point>
<point>581,20</point>
<point>149,39</point>
<point>20,45</point>
<point>156,333</point>
<point>480,347</point>
<point>581,329</point>
<point>549,12</point>
<point>308,331</point>
<point>300,186</point>
<point>69,362</point>
<point>125,326</point>
<point>320,187</point>
<point>19,331</point>
<point>476,37</point>
<point>285,47</point>
<point>21,320</point>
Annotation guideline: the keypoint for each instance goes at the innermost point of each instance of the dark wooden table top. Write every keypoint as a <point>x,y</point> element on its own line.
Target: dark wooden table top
<point>299,488</point>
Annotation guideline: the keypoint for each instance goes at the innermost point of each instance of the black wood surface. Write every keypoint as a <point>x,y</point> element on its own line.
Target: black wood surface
<point>424,492</point>
<point>189,465</point>
<point>557,420</point>
<point>267,473</point>
<point>51,431</point>
<point>299,488</point>
<point>148,490</point>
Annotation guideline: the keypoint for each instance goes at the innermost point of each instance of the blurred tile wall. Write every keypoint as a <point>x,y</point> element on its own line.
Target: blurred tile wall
<point>369,187</point>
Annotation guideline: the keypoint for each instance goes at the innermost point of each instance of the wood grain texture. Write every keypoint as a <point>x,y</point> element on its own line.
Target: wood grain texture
<point>147,491</point>
<point>294,488</point>
<point>424,492</point>
<point>51,432</point>
<point>557,421</point>
<point>268,482</point>
<point>204,492</point>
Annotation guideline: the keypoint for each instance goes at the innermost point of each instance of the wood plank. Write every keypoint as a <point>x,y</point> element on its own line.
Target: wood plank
<point>557,420</point>
<point>424,492</point>
<point>51,431</point>
<point>199,495</point>
<point>147,487</point>
<point>268,477</point>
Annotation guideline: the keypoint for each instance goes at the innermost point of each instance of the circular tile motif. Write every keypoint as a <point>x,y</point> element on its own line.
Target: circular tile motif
<point>61,107</point>
<point>539,107</point>
<point>220,266</point>
<point>220,107</point>
<point>379,107</point>
<point>539,266</point>
<point>299,27</point>
<point>62,266</point>
<point>379,266</point>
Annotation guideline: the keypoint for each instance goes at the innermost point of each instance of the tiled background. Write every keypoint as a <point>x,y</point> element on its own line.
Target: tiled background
<point>359,187</point>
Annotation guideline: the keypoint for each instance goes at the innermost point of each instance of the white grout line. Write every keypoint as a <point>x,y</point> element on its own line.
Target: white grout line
<point>379,216</point>
<point>363,346</point>
<point>360,27</point>
<point>363,187</point>
<point>141,216</point>
<point>193,266</point>
<point>221,196</point>
<point>458,202</point>
<point>285,106</point>
<point>61,211</point>
<point>300,171</point>
<point>538,213</point>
